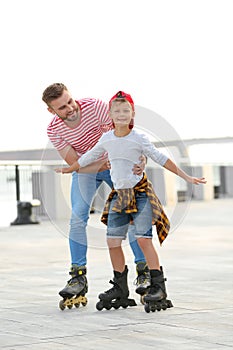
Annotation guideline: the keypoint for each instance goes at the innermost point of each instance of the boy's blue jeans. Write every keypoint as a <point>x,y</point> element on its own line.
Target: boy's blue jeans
<point>83,189</point>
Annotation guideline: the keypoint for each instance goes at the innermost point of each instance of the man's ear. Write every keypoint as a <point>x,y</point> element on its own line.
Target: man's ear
<point>51,110</point>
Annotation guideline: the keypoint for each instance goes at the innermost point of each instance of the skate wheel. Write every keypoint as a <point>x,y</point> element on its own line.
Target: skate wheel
<point>62,305</point>
<point>70,306</point>
<point>77,305</point>
<point>153,308</point>
<point>107,307</point>
<point>99,306</point>
<point>116,305</point>
<point>147,307</point>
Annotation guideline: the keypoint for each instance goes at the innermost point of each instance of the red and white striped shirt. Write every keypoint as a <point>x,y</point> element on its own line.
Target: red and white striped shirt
<point>94,122</point>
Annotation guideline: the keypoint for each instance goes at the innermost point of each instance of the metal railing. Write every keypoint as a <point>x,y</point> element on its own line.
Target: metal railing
<point>19,184</point>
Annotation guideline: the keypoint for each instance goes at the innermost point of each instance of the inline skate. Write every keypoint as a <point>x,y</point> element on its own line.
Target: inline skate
<point>117,296</point>
<point>156,297</point>
<point>142,280</point>
<point>75,289</point>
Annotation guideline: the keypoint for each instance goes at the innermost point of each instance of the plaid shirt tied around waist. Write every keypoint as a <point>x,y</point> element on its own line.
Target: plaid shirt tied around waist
<point>126,201</point>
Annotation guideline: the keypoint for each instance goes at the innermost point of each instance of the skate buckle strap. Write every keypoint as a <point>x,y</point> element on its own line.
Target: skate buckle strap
<point>78,271</point>
<point>112,289</point>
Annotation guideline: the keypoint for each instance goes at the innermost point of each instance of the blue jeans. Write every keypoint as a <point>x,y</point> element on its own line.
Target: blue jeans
<point>83,189</point>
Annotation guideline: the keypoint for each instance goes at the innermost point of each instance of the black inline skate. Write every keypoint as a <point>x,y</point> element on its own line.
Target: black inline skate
<point>118,295</point>
<point>75,290</point>
<point>142,280</point>
<point>156,298</point>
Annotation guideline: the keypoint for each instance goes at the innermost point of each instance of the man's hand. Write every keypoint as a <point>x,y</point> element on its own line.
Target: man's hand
<point>140,167</point>
<point>105,166</point>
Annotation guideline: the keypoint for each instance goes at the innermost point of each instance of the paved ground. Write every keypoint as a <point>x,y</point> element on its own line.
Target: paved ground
<point>198,263</point>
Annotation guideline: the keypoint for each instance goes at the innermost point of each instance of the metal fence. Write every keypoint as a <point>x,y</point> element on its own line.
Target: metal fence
<point>18,183</point>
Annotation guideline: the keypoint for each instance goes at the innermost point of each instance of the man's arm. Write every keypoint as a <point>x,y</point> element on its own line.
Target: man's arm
<point>70,156</point>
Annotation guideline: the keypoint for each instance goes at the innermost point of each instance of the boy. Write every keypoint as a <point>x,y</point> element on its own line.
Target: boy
<point>132,198</point>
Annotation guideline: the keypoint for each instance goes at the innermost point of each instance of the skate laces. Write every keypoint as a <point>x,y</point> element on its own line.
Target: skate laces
<point>141,279</point>
<point>76,280</point>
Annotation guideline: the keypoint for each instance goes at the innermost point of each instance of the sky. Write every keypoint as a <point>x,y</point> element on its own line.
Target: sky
<point>174,58</point>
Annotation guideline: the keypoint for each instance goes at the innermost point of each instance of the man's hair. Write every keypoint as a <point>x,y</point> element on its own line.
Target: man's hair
<point>52,92</point>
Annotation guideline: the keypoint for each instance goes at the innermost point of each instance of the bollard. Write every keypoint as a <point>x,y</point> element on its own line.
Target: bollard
<point>24,213</point>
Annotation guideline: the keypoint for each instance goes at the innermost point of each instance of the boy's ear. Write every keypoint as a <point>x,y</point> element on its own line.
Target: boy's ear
<point>131,124</point>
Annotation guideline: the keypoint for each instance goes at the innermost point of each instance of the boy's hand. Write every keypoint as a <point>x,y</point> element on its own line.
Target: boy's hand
<point>197,180</point>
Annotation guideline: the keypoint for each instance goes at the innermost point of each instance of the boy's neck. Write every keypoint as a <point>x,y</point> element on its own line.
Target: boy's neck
<point>121,131</point>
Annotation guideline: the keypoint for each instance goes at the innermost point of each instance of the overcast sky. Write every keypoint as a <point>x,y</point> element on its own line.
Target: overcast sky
<point>173,57</point>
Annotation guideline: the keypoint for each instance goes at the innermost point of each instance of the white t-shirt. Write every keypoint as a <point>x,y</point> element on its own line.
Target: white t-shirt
<point>123,153</point>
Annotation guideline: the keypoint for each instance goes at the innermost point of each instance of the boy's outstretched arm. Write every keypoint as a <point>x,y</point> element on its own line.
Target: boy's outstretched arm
<point>169,165</point>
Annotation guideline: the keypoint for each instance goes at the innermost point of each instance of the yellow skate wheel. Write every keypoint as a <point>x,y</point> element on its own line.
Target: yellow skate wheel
<point>77,305</point>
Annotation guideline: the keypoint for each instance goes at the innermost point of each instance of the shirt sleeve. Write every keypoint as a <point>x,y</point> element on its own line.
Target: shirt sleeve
<point>93,154</point>
<point>102,112</point>
<point>58,142</point>
<point>152,152</point>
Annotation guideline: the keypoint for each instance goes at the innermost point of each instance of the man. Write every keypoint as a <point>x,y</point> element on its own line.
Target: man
<point>75,128</point>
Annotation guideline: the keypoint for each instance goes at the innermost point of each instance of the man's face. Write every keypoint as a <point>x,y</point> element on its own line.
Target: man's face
<point>65,107</point>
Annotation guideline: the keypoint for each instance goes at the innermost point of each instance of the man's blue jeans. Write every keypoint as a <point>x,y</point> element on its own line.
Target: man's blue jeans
<point>83,189</point>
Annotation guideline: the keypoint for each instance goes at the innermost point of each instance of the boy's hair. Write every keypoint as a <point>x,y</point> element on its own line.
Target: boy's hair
<point>52,92</point>
<point>121,100</point>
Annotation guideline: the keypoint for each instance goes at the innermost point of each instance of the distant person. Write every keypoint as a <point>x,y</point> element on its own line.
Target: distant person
<point>75,128</point>
<point>132,198</point>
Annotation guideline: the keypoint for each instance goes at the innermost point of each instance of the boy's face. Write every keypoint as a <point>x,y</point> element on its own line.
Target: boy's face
<point>121,113</point>
<point>65,107</point>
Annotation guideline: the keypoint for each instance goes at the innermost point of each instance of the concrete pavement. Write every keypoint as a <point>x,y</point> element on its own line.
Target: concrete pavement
<point>198,263</point>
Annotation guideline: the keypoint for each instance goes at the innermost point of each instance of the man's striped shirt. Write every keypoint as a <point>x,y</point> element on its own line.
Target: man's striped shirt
<point>94,122</point>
